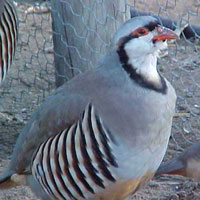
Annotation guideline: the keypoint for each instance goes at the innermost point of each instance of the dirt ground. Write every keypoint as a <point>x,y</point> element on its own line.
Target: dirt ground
<point>32,78</point>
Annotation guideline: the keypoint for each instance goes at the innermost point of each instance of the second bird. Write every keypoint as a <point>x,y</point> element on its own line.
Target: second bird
<point>8,36</point>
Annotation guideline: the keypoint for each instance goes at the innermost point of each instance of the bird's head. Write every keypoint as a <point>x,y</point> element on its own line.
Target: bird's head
<point>142,35</point>
<point>138,43</point>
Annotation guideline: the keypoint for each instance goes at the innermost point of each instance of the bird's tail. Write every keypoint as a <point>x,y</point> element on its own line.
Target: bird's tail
<point>10,179</point>
<point>5,181</point>
<point>175,167</point>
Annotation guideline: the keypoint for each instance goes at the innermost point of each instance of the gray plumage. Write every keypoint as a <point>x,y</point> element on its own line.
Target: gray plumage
<point>110,123</point>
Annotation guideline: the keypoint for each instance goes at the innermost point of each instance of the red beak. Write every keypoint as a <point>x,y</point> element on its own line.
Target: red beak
<point>164,34</point>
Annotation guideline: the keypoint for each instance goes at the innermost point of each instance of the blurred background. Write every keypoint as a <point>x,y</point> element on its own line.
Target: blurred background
<point>60,39</point>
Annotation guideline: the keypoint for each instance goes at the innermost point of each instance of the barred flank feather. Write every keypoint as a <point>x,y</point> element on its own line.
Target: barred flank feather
<point>8,37</point>
<point>78,162</point>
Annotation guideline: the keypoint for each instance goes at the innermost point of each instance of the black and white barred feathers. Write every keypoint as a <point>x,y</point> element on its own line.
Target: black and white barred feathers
<point>77,163</point>
<point>8,36</point>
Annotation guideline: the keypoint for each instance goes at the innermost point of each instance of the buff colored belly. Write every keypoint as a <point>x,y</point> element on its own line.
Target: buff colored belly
<point>121,189</point>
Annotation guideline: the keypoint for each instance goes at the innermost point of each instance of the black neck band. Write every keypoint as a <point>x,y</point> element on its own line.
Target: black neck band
<point>138,78</point>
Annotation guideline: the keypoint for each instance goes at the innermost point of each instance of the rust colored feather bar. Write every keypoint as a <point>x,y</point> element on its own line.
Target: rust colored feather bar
<point>8,36</point>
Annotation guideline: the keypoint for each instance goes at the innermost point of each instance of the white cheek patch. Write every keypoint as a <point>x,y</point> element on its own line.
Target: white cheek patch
<point>142,54</point>
<point>138,47</point>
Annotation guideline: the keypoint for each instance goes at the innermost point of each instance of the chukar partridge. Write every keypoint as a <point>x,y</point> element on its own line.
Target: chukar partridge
<point>8,36</point>
<point>103,134</point>
<point>186,164</point>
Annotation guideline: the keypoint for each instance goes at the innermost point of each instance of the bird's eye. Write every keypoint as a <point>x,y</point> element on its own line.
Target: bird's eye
<point>140,32</point>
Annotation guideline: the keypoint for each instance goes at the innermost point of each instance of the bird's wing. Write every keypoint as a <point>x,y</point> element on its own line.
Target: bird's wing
<point>8,36</point>
<point>59,111</point>
<point>78,162</point>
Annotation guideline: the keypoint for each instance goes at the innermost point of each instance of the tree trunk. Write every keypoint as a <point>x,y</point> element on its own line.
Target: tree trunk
<point>82,30</point>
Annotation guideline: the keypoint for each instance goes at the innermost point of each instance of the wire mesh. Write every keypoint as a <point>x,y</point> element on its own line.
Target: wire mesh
<point>81,36</point>
<point>82,32</point>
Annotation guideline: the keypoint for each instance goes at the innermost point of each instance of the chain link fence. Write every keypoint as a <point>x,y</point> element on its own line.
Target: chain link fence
<point>81,33</point>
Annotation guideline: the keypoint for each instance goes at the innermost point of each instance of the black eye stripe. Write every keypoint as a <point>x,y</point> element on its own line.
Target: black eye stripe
<point>152,25</point>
